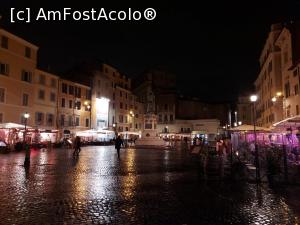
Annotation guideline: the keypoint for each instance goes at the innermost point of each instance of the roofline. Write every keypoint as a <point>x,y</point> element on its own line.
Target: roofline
<point>16,38</point>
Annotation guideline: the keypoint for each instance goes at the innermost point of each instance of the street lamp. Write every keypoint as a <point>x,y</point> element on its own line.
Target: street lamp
<point>240,123</point>
<point>27,149</point>
<point>253,99</point>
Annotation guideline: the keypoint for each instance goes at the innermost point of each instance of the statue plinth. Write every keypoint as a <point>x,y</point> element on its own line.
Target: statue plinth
<point>150,137</point>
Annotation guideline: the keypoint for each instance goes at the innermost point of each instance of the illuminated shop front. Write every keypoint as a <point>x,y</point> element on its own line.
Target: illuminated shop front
<point>102,109</point>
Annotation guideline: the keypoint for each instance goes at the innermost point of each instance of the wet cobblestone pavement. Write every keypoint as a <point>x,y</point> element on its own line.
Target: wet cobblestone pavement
<point>144,187</point>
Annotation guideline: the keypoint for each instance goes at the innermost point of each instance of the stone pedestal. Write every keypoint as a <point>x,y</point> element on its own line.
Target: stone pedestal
<point>150,137</point>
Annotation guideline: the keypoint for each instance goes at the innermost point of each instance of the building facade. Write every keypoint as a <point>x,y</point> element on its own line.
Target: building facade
<point>73,106</point>
<point>268,85</point>
<point>244,110</point>
<point>289,44</point>
<point>18,60</point>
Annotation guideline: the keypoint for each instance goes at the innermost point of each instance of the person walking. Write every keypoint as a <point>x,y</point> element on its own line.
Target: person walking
<point>77,145</point>
<point>118,144</point>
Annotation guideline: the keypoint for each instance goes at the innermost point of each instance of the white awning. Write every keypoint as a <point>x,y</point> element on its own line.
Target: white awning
<point>12,125</point>
<point>246,127</point>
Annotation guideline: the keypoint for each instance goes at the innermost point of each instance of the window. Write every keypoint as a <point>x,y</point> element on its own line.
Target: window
<point>126,95</point>
<point>27,52</point>
<point>42,79</point>
<point>70,104</point>
<point>1,118</point>
<point>295,73</point>
<point>126,119</point>
<point>296,88</point>
<point>25,99</point>
<point>77,105</point>
<point>87,122</point>
<point>77,92</point>
<point>88,94</point>
<point>121,105</point>
<point>113,105</point>
<point>287,90</point>
<point>63,103</point>
<point>53,83</point>
<point>62,120</point>
<point>171,117</point>
<point>166,118</point>
<point>126,106</point>
<point>4,69</point>
<point>120,93</point>
<point>136,115</point>
<point>52,97</point>
<point>126,128</point>
<point>64,88</point>
<point>160,118</point>
<point>114,96</point>
<point>297,109</point>
<point>39,118</point>
<point>26,76</point>
<point>4,42</point>
<point>136,126</point>
<point>71,90</point>
<point>166,107</point>
<point>77,121</point>
<point>2,95</point>
<point>113,119</point>
<point>99,83</point>
<point>50,119</point>
<point>41,94</point>
<point>70,121</point>
<point>121,118</point>
<point>270,67</point>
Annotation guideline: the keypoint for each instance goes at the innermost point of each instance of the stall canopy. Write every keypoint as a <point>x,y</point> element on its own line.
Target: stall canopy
<point>12,126</point>
<point>291,122</point>
<point>246,127</point>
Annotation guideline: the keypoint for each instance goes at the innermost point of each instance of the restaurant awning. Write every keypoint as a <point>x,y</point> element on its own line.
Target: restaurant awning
<point>291,122</point>
<point>246,127</point>
<point>12,125</point>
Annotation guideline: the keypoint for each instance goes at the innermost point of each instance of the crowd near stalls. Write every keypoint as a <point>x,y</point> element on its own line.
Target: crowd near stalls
<point>277,147</point>
<point>96,136</point>
<point>12,136</point>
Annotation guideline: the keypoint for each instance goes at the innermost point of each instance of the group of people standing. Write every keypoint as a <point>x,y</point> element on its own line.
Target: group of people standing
<point>77,145</point>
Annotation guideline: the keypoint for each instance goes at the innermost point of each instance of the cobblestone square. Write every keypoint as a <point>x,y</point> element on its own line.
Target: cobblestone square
<point>145,187</point>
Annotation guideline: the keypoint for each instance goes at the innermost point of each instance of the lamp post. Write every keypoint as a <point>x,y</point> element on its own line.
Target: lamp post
<point>253,99</point>
<point>27,148</point>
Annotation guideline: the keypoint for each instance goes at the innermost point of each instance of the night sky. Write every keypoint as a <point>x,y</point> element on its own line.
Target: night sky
<point>213,48</point>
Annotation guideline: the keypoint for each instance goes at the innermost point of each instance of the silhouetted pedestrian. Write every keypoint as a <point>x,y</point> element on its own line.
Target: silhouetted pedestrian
<point>77,146</point>
<point>118,144</point>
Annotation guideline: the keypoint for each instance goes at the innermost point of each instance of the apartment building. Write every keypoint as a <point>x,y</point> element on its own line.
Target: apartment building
<point>289,43</point>
<point>269,82</point>
<point>18,60</point>
<point>73,106</point>
<point>45,99</point>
